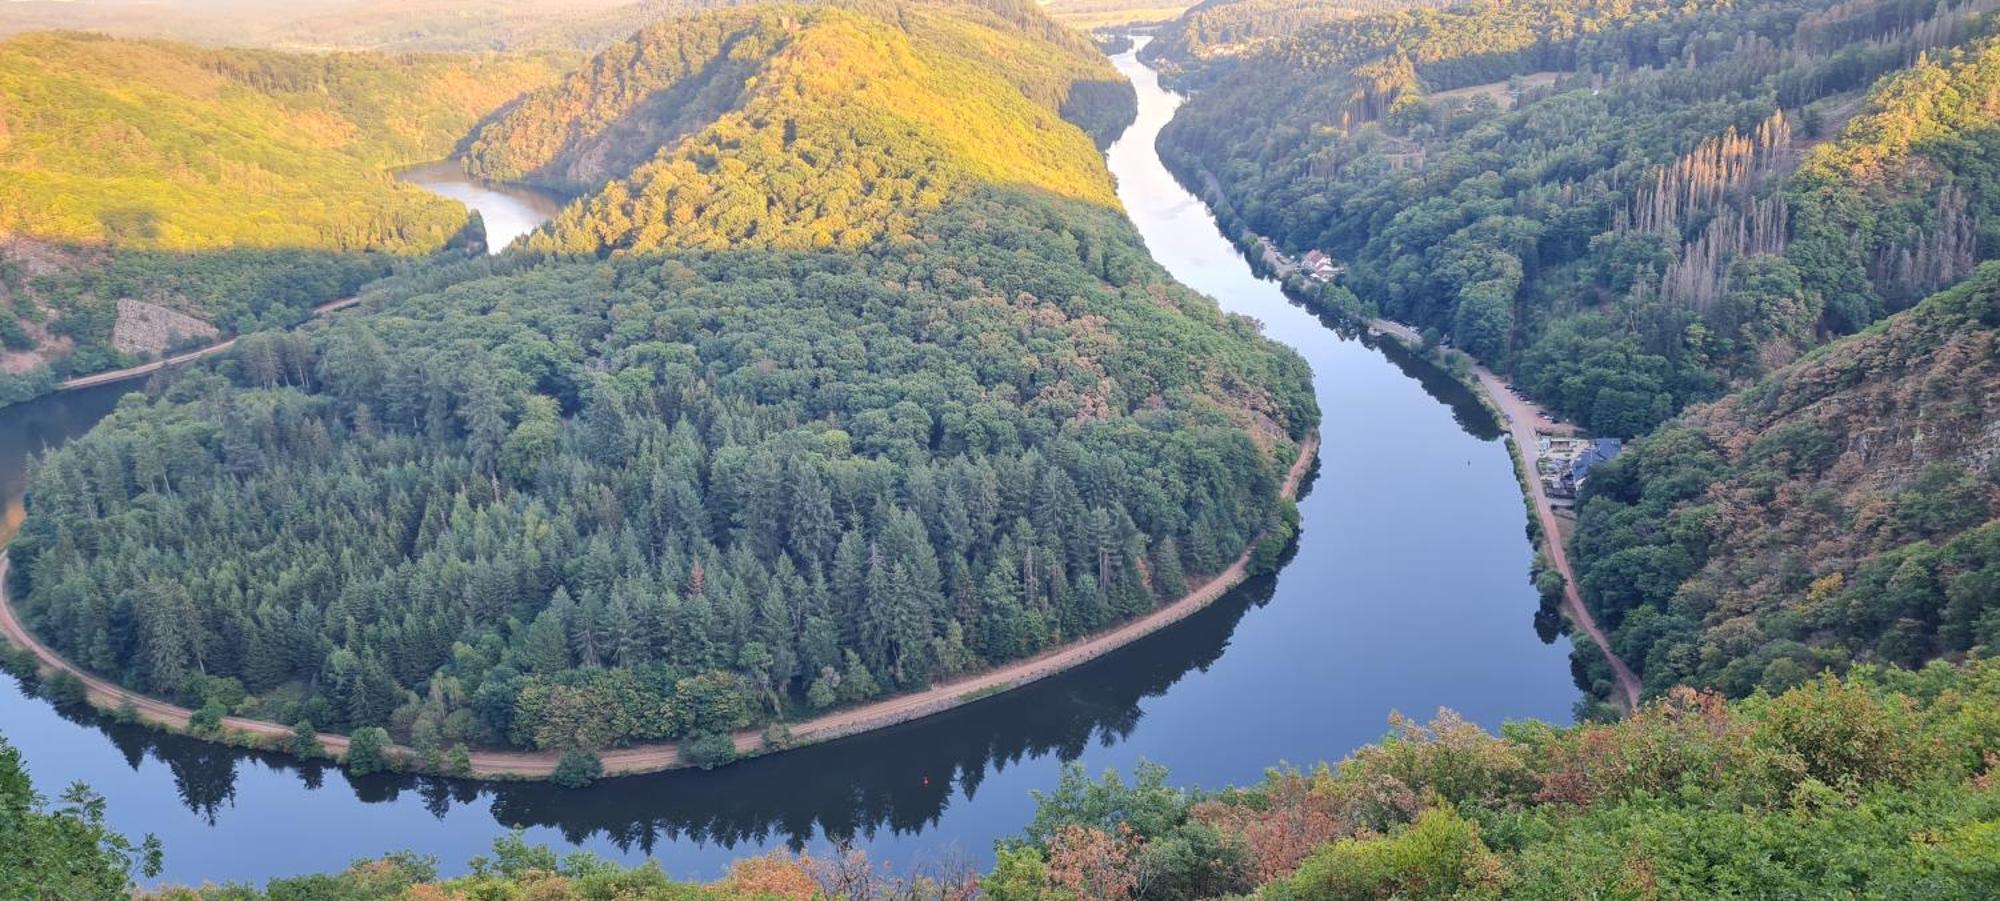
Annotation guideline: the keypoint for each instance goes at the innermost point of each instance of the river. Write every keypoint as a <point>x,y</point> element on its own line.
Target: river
<point>1408,591</point>
<point>506,211</point>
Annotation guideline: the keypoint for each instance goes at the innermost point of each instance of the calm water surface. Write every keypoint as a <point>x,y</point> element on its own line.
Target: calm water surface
<point>508,211</point>
<point>1408,591</point>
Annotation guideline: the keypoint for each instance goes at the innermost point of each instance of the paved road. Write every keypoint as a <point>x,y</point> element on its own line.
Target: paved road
<point>650,758</point>
<point>119,375</point>
<point>1523,418</point>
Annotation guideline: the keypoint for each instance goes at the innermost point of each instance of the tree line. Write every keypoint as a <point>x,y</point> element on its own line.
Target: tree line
<point>579,505</point>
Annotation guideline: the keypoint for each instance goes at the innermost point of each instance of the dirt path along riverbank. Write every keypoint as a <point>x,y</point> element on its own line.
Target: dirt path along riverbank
<point>649,758</point>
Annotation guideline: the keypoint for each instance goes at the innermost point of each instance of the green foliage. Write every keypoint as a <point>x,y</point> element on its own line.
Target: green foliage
<point>1622,229</point>
<point>234,148</point>
<point>1753,543</point>
<point>811,452</point>
<point>67,690</point>
<point>367,751</point>
<point>1438,856</point>
<point>709,750</point>
<point>208,719</point>
<point>857,123</point>
<point>577,769</point>
<point>1019,874</point>
<point>1149,806</point>
<point>305,741</point>
<point>64,850</point>
<point>239,187</point>
<point>1877,786</point>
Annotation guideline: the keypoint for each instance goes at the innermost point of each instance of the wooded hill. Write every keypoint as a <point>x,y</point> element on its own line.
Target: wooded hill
<point>1686,199</point>
<point>1209,38</point>
<point>384,25</point>
<point>1844,509</point>
<point>853,124</point>
<point>1630,238</point>
<point>627,495</point>
<point>238,186</point>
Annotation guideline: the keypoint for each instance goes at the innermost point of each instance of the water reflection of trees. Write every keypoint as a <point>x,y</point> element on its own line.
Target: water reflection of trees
<point>898,780</point>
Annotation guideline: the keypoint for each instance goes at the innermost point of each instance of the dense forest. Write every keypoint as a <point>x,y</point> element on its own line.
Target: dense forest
<point>1632,208</point>
<point>1880,785</point>
<point>1629,207</point>
<point>679,77</point>
<point>239,187</point>
<point>1209,38</point>
<point>858,125</point>
<point>1846,508</point>
<point>581,501</point>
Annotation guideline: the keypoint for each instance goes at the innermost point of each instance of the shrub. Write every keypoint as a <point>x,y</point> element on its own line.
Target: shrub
<point>1439,856</point>
<point>305,740</point>
<point>368,751</point>
<point>208,720</point>
<point>67,690</point>
<point>709,750</point>
<point>577,769</point>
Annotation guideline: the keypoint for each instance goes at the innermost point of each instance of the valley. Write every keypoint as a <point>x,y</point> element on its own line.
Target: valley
<point>1176,697</point>
<point>913,448</point>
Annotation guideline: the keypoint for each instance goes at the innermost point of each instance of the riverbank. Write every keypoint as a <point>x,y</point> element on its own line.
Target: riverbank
<point>491,764</point>
<point>132,372</point>
<point>1522,419</point>
<point>1519,417</point>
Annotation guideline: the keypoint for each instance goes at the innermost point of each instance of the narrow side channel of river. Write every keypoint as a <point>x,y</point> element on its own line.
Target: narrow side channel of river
<point>506,211</point>
<point>1408,592</point>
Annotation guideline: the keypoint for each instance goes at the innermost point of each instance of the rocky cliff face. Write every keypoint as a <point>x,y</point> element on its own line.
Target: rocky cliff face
<point>147,328</point>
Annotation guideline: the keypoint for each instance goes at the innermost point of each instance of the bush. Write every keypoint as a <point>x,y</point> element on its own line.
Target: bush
<point>709,750</point>
<point>1438,856</point>
<point>208,720</point>
<point>577,769</point>
<point>368,751</point>
<point>19,661</point>
<point>67,690</point>
<point>305,741</point>
<point>460,762</point>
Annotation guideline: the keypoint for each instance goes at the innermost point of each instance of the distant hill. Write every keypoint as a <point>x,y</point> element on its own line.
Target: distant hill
<point>849,125</point>
<point>390,25</point>
<point>1091,14</point>
<point>121,161</point>
<point>1207,39</point>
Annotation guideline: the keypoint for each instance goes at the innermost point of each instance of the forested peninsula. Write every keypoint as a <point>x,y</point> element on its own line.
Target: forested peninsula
<point>691,464</point>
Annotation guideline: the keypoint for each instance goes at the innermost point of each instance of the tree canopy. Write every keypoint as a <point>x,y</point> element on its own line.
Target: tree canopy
<point>640,492</point>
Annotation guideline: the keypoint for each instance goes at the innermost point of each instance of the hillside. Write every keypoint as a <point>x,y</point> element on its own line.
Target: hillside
<point>675,487</point>
<point>1845,509</point>
<point>732,73</point>
<point>1880,786</point>
<point>384,25</point>
<point>1635,208</point>
<point>1207,40</point>
<point>1628,236</point>
<point>1085,15</point>
<point>238,187</point>
<point>850,127</point>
